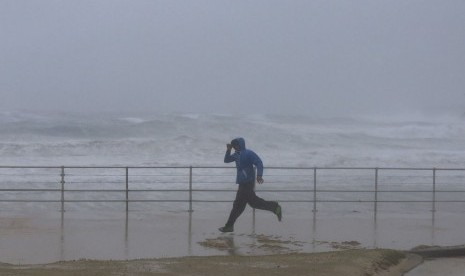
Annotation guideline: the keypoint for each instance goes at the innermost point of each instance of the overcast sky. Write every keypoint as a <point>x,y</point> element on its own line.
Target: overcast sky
<point>259,56</point>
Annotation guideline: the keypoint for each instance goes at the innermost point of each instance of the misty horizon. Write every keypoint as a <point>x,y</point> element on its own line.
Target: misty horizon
<point>316,58</point>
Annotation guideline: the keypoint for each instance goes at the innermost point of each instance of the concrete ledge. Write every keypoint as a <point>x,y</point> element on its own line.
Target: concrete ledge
<point>407,264</point>
<point>439,251</point>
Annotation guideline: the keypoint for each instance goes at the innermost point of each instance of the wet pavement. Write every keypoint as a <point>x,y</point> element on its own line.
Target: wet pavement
<point>45,237</point>
<point>440,267</point>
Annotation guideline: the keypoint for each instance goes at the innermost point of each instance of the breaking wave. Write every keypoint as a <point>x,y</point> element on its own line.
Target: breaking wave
<point>199,139</point>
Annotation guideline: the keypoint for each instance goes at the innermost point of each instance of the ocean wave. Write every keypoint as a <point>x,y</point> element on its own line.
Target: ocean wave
<point>200,139</point>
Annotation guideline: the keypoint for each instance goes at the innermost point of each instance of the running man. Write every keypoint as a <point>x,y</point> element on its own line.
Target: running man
<point>245,161</point>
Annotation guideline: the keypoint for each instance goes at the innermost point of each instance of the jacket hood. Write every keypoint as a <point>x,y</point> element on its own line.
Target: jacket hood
<point>239,141</point>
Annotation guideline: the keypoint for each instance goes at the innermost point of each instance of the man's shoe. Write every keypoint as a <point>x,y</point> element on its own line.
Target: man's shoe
<point>278,212</point>
<point>226,229</point>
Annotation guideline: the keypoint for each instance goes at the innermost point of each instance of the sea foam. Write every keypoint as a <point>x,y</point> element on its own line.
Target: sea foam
<point>200,140</point>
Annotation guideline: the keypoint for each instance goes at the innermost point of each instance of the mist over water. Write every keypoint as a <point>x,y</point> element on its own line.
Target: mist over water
<point>55,139</point>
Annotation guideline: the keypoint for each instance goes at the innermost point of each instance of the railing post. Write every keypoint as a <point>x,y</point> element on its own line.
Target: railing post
<point>127,189</point>
<point>434,190</point>
<point>314,190</point>
<point>190,189</point>
<point>376,191</point>
<point>62,188</point>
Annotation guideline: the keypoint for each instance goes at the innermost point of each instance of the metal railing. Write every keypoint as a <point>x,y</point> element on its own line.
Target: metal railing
<point>197,184</point>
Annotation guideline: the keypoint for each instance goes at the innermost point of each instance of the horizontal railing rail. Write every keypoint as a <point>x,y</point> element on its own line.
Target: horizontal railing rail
<point>208,184</point>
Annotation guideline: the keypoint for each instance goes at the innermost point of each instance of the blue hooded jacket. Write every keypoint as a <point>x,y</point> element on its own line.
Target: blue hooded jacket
<point>245,161</point>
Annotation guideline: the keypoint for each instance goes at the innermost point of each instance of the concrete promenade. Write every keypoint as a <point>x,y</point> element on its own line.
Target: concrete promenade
<point>45,237</point>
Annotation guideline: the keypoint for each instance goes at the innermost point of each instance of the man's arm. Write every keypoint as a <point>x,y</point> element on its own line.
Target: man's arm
<point>228,157</point>
<point>259,165</point>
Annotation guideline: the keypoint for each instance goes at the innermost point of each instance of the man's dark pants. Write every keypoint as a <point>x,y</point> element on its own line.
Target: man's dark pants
<point>246,194</point>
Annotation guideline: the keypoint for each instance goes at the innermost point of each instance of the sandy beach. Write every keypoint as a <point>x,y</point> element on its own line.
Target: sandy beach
<point>347,263</point>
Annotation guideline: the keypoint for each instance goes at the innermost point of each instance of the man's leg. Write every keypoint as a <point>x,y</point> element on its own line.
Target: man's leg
<point>261,204</point>
<point>238,206</point>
